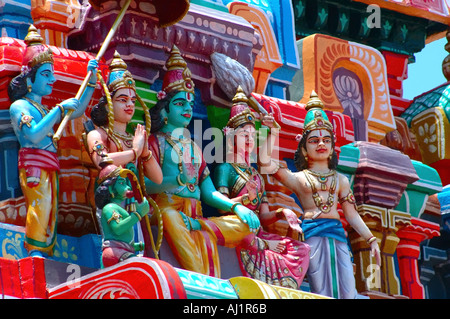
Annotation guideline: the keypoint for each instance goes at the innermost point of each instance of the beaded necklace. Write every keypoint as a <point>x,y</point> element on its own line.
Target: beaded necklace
<point>171,140</point>
<point>324,207</point>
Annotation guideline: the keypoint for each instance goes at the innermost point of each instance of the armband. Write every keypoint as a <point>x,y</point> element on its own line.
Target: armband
<point>349,198</point>
<point>98,148</point>
<point>25,119</point>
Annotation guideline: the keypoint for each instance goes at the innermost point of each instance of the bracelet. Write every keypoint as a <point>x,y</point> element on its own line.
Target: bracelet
<point>234,206</point>
<point>135,155</point>
<point>277,167</point>
<point>137,215</point>
<point>371,240</point>
<point>179,180</point>
<point>92,85</point>
<point>61,108</point>
<point>148,157</point>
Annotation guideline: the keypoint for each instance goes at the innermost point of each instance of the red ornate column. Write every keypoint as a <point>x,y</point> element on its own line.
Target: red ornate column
<point>408,251</point>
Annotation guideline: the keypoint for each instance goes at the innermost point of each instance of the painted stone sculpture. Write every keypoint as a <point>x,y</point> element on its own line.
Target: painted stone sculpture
<point>33,125</point>
<point>117,221</point>
<point>186,180</point>
<point>274,259</point>
<point>319,187</point>
<point>111,117</point>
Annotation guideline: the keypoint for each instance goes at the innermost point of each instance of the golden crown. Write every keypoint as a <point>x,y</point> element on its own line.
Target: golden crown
<point>36,53</point>
<point>316,118</point>
<point>240,112</point>
<point>120,77</point>
<point>178,76</point>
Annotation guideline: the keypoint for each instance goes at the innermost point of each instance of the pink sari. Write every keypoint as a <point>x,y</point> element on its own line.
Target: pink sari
<point>285,269</point>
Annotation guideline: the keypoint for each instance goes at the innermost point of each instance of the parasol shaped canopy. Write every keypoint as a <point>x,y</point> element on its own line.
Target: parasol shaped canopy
<point>168,12</point>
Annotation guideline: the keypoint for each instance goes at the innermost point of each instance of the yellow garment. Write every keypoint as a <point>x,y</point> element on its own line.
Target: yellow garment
<point>196,250</point>
<point>42,208</point>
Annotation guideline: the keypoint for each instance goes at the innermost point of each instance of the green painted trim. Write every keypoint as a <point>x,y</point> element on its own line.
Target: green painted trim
<point>333,268</point>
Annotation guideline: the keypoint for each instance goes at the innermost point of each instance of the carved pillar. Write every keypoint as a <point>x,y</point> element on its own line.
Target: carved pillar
<point>408,252</point>
<point>384,224</point>
<point>380,175</point>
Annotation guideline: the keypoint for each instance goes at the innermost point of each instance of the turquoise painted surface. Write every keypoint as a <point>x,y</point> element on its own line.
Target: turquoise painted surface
<point>200,286</point>
<point>15,18</point>
<point>415,197</point>
<point>83,251</point>
<point>348,159</point>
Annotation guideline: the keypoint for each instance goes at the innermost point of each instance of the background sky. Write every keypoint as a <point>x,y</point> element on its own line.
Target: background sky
<point>426,73</point>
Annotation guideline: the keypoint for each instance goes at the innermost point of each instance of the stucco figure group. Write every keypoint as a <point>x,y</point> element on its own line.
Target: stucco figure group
<point>157,169</point>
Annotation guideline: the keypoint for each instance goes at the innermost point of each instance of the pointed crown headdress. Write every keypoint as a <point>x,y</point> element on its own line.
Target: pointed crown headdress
<point>120,78</point>
<point>316,118</point>
<point>178,75</point>
<point>240,112</point>
<point>36,53</point>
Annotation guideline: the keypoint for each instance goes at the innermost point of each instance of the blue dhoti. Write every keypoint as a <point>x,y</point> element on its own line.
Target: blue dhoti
<point>330,271</point>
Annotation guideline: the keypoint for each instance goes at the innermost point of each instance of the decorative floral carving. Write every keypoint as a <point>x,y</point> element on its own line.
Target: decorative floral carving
<point>12,246</point>
<point>349,94</point>
<point>428,136</point>
<point>64,252</point>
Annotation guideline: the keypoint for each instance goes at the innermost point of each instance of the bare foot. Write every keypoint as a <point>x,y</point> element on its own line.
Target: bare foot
<point>277,246</point>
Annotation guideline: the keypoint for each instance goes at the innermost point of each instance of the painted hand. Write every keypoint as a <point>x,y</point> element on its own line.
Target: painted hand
<point>251,189</point>
<point>70,104</point>
<point>375,252</point>
<point>248,217</point>
<point>139,140</point>
<point>268,120</point>
<point>191,223</point>
<point>143,208</point>
<point>292,219</point>
<point>93,66</point>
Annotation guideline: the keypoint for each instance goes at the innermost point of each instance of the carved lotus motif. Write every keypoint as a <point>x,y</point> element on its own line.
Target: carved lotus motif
<point>349,94</point>
<point>428,135</point>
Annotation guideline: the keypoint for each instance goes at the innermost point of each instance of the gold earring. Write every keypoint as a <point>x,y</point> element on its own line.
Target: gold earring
<point>165,120</point>
<point>306,158</point>
<point>29,88</point>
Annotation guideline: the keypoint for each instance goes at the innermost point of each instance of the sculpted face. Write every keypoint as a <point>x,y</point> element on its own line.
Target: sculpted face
<point>121,189</point>
<point>180,110</point>
<point>44,80</point>
<point>245,138</point>
<point>124,105</point>
<point>319,145</point>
